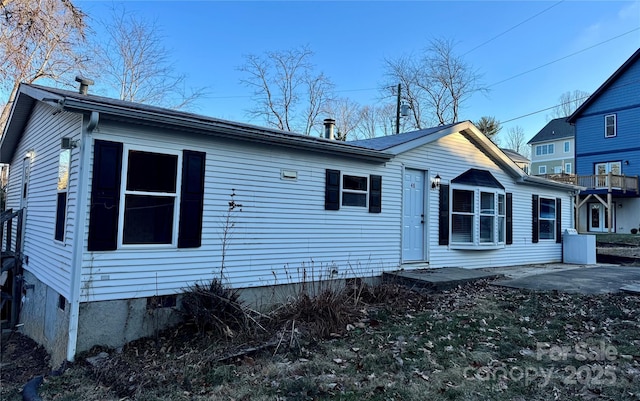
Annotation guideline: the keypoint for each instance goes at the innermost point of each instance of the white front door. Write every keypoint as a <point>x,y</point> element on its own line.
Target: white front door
<point>413,213</point>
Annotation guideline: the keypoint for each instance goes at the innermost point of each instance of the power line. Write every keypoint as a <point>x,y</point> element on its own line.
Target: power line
<point>569,101</point>
<point>563,58</point>
<point>512,28</point>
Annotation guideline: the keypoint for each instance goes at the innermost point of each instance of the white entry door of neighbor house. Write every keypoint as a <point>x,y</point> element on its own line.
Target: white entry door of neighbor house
<point>598,221</point>
<point>413,220</point>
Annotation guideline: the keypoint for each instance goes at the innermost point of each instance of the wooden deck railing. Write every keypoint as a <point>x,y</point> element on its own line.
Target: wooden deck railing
<point>609,181</point>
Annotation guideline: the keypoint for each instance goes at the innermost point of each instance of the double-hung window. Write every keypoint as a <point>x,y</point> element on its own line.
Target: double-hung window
<point>145,196</point>
<point>610,129</point>
<point>354,190</point>
<point>546,149</point>
<point>150,203</point>
<point>547,218</point>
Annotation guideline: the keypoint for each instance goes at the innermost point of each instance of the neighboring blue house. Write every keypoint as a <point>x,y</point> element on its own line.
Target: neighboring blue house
<point>608,153</point>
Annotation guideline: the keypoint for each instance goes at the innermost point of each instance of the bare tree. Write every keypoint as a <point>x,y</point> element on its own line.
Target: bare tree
<point>436,84</point>
<point>376,121</point>
<point>516,141</point>
<point>39,39</point>
<point>568,102</point>
<point>489,126</point>
<point>134,64</point>
<point>288,93</point>
<point>348,115</point>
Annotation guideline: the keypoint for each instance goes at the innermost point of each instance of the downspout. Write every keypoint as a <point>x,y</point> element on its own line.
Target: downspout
<point>79,232</point>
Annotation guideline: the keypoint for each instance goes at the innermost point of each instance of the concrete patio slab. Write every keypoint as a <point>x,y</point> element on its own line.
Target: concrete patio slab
<point>439,279</point>
<point>599,279</point>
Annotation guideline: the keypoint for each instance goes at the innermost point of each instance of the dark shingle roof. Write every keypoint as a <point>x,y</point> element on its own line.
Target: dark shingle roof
<point>389,141</point>
<point>555,129</point>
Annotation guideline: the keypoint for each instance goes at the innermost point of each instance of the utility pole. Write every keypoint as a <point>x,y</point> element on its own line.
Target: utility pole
<point>398,111</point>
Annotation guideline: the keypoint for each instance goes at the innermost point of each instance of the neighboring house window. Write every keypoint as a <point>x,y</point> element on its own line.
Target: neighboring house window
<point>557,169</point>
<point>63,187</point>
<point>546,219</point>
<point>352,190</point>
<point>542,169</point>
<point>567,168</point>
<point>160,200</point>
<point>610,129</point>
<point>542,150</point>
<point>477,226</point>
<point>567,146</point>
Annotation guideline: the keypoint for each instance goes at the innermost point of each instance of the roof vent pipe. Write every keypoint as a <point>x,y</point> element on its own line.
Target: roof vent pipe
<point>84,84</point>
<point>329,127</point>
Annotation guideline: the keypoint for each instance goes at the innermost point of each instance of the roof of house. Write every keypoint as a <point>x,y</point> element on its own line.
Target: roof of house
<point>133,112</point>
<point>624,67</point>
<point>515,156</point>
<point>379,149</point>
<point>390,141</point>
<point>399,143</point>
<point>558,128</point>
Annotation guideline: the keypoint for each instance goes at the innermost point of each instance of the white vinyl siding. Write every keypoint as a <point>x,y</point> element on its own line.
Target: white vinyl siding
<point>49,260</point>
<point>452,156</point>
<point>281,233</point>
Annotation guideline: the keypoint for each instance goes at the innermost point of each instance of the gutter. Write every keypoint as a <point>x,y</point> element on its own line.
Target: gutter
<point>79,231</point>
<point>231,130</point>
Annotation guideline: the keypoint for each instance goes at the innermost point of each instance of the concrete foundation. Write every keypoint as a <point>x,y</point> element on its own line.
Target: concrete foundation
<point>112,324</point>
<point>45,318</point>
<point>115,323</point>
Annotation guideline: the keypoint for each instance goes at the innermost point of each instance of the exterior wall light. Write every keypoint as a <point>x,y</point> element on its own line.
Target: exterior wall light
<point>29,154</point>
<point>435,183</point>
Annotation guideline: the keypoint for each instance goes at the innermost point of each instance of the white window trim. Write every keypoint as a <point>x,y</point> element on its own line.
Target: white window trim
<point>354,191</point>
<point>615,126</point>
<point>567,168</point>
<point>567,146</point>
<point>476,244</point>
<point>540,168</point>
<point>124,192</point>
<point>554,219</point>
<point>59,191</point>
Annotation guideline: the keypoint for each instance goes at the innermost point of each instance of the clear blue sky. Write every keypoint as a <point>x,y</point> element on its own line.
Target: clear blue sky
<point>352,39</point>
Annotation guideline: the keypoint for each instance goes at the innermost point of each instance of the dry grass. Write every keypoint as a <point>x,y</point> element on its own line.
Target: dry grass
<point>473,343</point>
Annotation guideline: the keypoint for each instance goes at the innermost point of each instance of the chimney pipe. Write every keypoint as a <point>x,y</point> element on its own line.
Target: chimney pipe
<point>329,126</point>
<point>84,84</point>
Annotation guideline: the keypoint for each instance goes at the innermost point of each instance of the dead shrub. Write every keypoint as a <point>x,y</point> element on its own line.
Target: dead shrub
<point>215,307</point>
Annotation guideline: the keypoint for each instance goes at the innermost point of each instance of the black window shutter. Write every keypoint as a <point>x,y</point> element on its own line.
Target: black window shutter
<point>192,199</point>
<point>332,190</point>
<point>443,216</point>
<point>509,219</point>
<point>558,220</point>
<point>105,196</point>
<point>375,194</point>
<point>535,229</point>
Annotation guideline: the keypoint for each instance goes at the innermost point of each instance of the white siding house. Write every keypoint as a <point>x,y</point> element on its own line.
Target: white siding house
<point>143,207</point>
